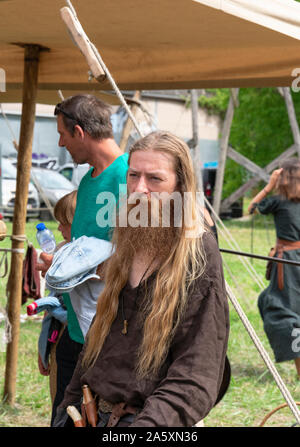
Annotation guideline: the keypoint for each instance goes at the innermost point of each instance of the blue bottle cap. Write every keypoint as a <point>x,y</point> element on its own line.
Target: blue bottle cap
<point>41,226</point>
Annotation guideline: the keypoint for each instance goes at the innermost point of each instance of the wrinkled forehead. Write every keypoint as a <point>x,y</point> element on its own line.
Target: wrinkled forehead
<point>152,160</point>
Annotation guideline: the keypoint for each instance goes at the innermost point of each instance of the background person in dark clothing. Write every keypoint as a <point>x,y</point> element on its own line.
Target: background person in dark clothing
<point>279,303</point>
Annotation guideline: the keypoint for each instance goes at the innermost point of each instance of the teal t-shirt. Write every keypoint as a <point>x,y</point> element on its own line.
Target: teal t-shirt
<point>96,206</point>
<point>96,197</point>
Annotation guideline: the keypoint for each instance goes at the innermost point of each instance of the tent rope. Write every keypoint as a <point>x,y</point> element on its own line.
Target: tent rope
<point>237,286</point>
<point>14,237</point>
<point>249,267</point>
<point>274,411</point>
<point>5,251</point>
<point>14,140</point>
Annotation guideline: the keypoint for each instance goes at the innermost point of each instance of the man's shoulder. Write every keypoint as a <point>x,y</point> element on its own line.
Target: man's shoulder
<point>120,165</point>
<point>85,179</point>
<point>212,256</point>
<point>210,244</point>
<point>116,173</point>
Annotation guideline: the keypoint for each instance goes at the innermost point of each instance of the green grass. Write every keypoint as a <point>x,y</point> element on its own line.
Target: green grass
<point>253,391</point>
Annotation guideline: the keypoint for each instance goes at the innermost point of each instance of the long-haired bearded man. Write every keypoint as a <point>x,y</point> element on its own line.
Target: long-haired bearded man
<point>155,354</point>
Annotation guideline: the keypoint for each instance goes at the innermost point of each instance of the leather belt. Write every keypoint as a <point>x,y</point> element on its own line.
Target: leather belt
<point>117,411</point>
<point>104,406</point>
<point>281,246</point>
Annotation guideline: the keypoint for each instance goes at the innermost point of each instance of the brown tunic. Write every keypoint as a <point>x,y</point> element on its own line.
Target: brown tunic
<point>190,378</point>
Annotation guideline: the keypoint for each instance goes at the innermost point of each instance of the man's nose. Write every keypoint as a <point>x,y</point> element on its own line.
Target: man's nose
<point>142,186</point>
<point>60,142</point>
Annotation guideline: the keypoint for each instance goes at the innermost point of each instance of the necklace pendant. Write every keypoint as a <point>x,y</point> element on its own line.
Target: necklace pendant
<point>124,331</point>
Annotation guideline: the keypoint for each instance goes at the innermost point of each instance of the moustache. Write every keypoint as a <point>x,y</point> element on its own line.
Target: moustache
<point>142,210</point>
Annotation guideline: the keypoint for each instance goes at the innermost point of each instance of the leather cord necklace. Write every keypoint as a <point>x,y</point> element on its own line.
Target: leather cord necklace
<point>125,321</point>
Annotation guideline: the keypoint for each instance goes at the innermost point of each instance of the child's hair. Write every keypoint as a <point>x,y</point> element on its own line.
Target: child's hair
<point>288,184</point>
<point>64,209</point>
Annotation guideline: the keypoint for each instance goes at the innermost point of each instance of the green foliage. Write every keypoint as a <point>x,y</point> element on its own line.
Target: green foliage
<point>216,101</point>
<point>260,129</point>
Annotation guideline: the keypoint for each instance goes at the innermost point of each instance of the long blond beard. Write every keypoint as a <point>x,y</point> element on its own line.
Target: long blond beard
<point>151,237</point>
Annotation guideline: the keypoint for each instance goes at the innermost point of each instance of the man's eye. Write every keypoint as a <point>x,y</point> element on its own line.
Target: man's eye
<point>132,174</point>
<point>156,178</point>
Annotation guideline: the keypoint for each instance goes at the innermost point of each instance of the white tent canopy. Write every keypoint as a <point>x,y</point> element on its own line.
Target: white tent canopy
<point>153,44</point>
<point>278,15</point>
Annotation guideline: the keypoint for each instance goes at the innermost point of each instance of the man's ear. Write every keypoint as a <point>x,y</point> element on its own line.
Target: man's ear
<point>78,131</point>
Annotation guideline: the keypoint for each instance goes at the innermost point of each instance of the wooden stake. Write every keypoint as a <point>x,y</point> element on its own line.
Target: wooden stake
<point>223,151</point>
<point>286,93</point>
<point>292,117</point>
<point>240,192</point>
<point>31,62</point>
<point>82,41</point>
<point>248,164</point>
<point>129,124</point>
<point>195,128</point>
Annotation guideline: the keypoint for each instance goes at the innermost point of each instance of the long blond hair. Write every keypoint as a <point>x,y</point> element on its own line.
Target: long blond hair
<point>167,298</point>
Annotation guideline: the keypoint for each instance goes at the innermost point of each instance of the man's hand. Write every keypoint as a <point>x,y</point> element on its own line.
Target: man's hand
<point>45,264</point>
<point>42,369</point>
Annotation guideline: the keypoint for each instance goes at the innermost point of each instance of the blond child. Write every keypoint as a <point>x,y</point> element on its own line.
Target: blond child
<point>64,212</point>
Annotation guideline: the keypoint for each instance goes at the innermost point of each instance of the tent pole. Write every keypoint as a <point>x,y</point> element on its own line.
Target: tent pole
<point>223,150</point>
<point>292,117</point>
<point>14,286</point>
<point>195,139</point>
<point>195,127</point>
<point>129,125</point>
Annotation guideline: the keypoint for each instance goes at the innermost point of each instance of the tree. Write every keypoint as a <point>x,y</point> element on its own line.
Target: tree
<point>260,128</point>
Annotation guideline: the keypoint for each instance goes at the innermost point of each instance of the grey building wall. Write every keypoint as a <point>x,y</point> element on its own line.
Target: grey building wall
<point>45,139</point>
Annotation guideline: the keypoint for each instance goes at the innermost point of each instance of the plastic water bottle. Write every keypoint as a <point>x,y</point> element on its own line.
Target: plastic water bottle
<point>45,238</point>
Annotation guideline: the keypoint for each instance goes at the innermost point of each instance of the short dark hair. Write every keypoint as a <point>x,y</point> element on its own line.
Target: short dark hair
<point>87,111</point>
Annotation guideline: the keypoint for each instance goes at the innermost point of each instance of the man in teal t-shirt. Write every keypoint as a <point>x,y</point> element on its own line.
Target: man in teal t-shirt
<point>84,126</point>
<point>87,222</point>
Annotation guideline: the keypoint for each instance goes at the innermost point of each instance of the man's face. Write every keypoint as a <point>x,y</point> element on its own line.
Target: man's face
<point>74,144</point>
<point>151,171</point>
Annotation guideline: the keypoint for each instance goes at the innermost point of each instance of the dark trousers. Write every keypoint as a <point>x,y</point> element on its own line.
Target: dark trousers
<point>67,352</point>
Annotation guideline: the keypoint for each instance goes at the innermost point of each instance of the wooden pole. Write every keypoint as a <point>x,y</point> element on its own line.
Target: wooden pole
<point>195,128</point>
<point>292,117</point>
<point>223,151</point>
<point>31,62</point>
<point>286,94</point>
<point>240,192</point>
<point>129,124</point>
<point>248,164</point>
